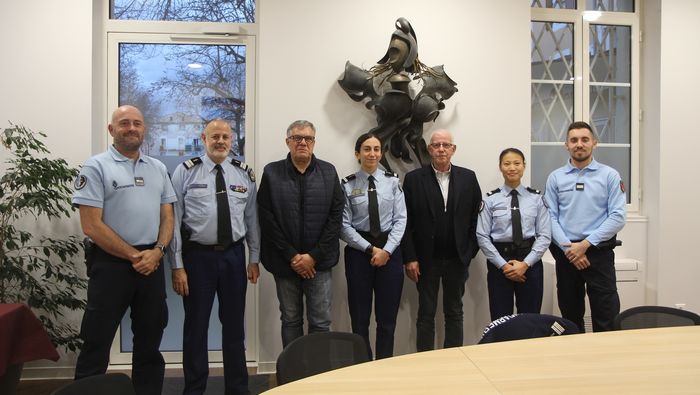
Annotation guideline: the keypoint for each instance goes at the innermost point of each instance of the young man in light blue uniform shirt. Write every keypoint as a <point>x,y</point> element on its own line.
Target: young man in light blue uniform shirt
<point>125,208</point>
<point>205,265</point>
<point>586,200</point>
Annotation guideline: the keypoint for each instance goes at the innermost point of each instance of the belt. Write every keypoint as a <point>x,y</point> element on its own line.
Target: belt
<point>213,247</point>
<point>605,245</point>
<point>379,241</point>
<point>97,251</point>
<point>510,247</point>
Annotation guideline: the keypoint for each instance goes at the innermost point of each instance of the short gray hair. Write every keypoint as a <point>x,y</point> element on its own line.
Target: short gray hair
<point>300,124</point>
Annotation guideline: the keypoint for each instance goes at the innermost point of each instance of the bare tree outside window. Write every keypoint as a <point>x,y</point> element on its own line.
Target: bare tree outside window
<point>230,11</point>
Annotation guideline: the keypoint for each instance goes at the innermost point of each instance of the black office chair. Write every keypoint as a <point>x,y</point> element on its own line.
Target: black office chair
<point>101,384</point>
<point>641,317</point>
<point>319,352</point>
<point>527,326</point>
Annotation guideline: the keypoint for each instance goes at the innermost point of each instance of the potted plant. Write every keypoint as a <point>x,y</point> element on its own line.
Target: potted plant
<point>38,270</point>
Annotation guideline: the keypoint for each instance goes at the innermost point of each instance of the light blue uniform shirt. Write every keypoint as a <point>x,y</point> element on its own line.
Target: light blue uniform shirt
<point>392,209</point>
<point>129,193</point>
<point>585,204</point>
<point>495,223</point>
<point>196,206</point>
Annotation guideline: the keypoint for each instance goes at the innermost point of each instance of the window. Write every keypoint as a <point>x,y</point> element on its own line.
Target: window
<point>584,66</point>
<point>183,63</point>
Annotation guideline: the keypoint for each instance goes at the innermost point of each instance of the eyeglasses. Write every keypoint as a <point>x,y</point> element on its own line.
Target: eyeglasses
<point>443,145</point>
<point>297,139</point>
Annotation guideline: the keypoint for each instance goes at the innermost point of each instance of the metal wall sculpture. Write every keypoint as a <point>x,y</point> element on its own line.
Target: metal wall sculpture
<point>405,94</point>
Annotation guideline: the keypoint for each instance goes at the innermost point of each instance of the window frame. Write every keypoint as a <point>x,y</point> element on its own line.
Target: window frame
<point>581,43</point>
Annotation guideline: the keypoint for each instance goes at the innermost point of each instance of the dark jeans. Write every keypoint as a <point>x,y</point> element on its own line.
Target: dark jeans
<point>385,284</point>
<point>113,287</point>
<point>528,295</point>
<point>598,280</point>
<point>453,275</point>
<point>291,292</point>
<point>210,273</point>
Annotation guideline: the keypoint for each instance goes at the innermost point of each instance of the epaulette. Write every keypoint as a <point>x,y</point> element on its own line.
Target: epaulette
<point>245,167</point>
<point>190,163</point>
<point>390,174</point>
<point>533,190</point>
<point>349,178</point>
<point>494,191</point>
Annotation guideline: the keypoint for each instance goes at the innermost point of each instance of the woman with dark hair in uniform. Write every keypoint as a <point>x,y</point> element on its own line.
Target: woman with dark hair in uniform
<point>374,221</point>
<point>514,231</point>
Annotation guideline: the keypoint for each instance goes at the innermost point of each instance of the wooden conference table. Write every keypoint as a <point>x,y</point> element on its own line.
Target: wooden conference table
<point>652,361</point>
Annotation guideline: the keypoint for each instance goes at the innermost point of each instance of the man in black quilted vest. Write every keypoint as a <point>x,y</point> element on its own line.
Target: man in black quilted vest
<point>300,207</point>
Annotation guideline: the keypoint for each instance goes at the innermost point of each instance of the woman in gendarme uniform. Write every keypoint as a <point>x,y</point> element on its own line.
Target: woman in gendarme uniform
<point>374,220</point>
<point>514,231</point>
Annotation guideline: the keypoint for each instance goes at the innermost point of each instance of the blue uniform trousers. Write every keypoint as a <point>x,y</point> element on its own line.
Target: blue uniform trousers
<point>528,295</point>
<point>385,284</point>
<point>598,280</point>
<point>220,273</point>
<point>113,287</point>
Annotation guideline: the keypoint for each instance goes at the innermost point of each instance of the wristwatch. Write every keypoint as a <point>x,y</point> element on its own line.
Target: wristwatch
<point>369,249</point>
<point>161,248</point>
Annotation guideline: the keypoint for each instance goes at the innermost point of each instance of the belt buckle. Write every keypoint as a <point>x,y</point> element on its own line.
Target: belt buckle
<point>219,247</point>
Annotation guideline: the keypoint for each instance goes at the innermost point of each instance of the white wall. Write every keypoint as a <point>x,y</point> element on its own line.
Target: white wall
<point>679,138</point>
<point>46,82</point>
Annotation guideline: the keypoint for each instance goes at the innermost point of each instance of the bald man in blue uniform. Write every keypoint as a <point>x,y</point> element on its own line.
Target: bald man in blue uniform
<point>586,201</point>
<point>125,206</point>
<point>216,211</point>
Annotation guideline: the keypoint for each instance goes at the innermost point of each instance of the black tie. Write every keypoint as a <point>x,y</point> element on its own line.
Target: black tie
<point>515,216</point>
<point>223,215</point>
<point>374,229</point>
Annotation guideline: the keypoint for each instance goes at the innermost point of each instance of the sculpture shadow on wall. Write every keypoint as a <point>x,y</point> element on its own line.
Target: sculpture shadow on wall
<point>404,93</point>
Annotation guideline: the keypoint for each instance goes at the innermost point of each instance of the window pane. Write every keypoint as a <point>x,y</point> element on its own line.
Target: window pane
<point>242,11</point>
<point>546,159</point>
<point>181,87</point>
<point>610,5</point>
<point>569,4</point>
<point>610,113</point>
<point>552,109</point>
<point>551,51</point>
<point>610,53</point>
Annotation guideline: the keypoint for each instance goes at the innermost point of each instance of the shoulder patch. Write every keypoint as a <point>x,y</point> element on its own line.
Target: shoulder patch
<point>245,167</point>
<point>80,182</point>
<point>533,190</point>
<point>390,174</point>
<point>349,178</point>
<point>190,163</point>
<point>494,191</point>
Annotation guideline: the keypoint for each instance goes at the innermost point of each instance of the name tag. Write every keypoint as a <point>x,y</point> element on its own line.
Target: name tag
<point>138,181</point>
<point>193,186</point>
<point>579,186</point>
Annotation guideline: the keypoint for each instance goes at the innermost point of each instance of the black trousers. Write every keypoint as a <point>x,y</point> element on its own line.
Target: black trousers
<point>598,280</point>
<point>223,274</point>
<point>384,284</point>
<point>453,275</point>
<point>113,287</point>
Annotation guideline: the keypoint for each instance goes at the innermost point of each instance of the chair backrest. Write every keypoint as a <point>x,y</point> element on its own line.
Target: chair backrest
<point>641,317</point>
<point>319,352</point>
<point>527,326</point>
<point>101,384</point>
